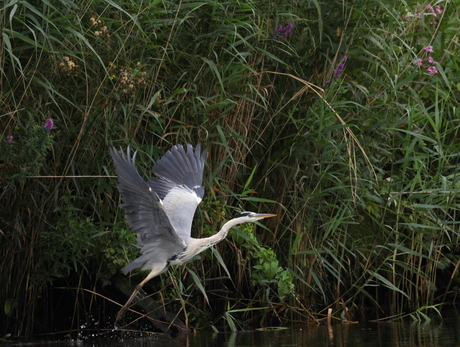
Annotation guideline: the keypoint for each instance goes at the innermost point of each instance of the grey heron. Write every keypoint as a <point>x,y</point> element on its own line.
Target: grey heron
<point>161,210</point>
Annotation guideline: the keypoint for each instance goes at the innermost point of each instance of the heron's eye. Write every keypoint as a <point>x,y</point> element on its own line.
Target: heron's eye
<point>245,214</point>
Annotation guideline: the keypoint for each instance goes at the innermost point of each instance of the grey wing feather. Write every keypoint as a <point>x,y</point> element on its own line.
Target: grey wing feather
<point>179,185</point>
<point>145,215</point>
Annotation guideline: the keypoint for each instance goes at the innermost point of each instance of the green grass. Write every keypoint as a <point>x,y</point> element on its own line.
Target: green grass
<point>361,168</point>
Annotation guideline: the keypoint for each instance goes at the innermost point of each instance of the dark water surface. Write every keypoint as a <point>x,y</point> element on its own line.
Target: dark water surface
<point>438,332</point>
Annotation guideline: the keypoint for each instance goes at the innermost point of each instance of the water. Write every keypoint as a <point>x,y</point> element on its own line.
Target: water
<point>438,332</point>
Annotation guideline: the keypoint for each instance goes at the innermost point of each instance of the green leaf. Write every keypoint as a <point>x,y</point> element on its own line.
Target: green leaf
<point>387,283</point>
<point>408,79</point>
<point>249,181</point>
<point>7,307</point>
<point>197,281</point>
<point>254,199</point>
<point>221,261</point>
<point>213,67</point>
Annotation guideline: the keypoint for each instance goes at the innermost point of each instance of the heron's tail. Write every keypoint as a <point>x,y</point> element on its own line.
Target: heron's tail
<point>134,264</point>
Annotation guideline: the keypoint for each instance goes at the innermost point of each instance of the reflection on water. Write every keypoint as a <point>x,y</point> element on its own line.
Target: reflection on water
<point>442,333</point>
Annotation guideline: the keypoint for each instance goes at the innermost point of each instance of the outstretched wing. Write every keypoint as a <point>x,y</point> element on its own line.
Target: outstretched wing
<point>145,215</point>
<point>179,185</point>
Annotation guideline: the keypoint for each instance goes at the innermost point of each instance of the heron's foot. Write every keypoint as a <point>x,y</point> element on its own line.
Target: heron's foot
<point>121,313</point>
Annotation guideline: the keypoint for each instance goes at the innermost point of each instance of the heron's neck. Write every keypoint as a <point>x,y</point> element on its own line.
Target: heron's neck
<point>222,234</point>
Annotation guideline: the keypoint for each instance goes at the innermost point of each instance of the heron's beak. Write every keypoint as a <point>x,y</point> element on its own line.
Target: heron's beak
<point>264,215</point>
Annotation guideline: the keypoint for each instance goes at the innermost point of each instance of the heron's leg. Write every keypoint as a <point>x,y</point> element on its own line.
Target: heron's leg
<point>152,274</point>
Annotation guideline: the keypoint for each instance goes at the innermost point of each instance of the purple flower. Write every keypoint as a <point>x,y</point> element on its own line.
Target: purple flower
<point>432,70</point>
<point>278,30</point>
<point>25,169</point>
<point>406,19</point>
<point>429,49</point>
<point>339,70</point>
<point>9,138</point>
<point>415,131</point>
<point>438,9</point>
<point>430,60</point>
<point>419,62</point>
<point>288,31</point>
<point>340,67</point>
<point>49,124</point>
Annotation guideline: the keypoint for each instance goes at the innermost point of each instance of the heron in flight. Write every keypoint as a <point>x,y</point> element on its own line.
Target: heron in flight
<point>161,210</point>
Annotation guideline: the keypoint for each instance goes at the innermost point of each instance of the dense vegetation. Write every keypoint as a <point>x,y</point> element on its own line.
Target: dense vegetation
<point>340,117</point>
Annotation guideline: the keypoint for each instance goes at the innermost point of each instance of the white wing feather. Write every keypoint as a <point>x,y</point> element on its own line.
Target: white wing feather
<point>179,186</point>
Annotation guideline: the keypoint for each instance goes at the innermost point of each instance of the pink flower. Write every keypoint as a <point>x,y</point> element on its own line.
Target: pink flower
<point>438,9</point>
<point>49,124</point>
<point>25,169</point>
<point>432,70</point>
<point>415,131</point>
<point>432,10</point>
<point>406,19</point>
<point>430,60</point>
<point>420,62</point>
<point>9,138</point>
<point>429,49</point>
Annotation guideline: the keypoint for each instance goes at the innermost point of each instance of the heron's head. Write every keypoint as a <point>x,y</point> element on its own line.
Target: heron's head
<point>252,216</point>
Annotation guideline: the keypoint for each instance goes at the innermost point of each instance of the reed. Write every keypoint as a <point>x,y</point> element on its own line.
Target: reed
<point>318,112</point>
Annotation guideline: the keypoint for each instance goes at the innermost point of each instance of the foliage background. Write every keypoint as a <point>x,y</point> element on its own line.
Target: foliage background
<point>358,158</point>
